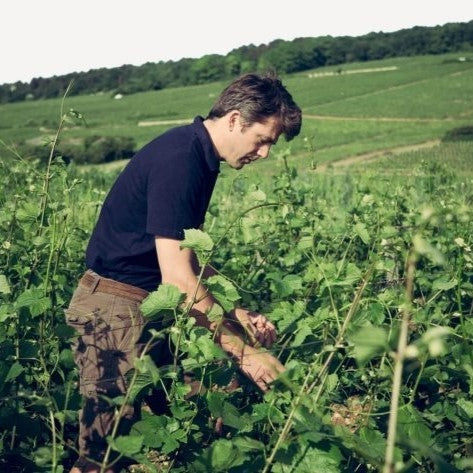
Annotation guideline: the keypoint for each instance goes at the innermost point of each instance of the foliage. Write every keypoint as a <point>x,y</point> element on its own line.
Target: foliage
<point>94,150</point>
<point>415,101</point>
<point>464,133</point>
<point>327,267</point>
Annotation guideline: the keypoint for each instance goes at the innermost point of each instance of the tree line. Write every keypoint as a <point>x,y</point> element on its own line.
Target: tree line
<point>279,55</point>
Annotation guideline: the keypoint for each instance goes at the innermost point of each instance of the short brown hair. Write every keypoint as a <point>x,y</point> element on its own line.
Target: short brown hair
<point>257,98</point>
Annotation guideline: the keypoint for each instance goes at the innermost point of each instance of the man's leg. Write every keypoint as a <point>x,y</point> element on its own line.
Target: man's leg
<point>109,328</point>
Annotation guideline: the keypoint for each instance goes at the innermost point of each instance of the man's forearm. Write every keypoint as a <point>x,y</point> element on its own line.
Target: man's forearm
<point>229,332</point>
<point>232,335</point>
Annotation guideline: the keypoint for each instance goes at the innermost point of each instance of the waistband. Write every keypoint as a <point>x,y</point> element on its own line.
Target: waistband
<point>93,280</point>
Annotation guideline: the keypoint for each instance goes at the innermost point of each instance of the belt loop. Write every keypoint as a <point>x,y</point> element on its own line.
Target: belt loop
<point>94,285</point>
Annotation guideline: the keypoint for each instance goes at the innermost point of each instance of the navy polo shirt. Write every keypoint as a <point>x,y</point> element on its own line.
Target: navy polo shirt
<point>164,189</point>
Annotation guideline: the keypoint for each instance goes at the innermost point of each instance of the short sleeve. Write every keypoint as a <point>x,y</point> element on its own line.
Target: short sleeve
<point>174,190</point>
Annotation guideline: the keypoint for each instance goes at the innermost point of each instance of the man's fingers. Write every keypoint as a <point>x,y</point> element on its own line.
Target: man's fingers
<point>267,378</point>
<point>271,336</point>
<point>267,339</point>
<point>264,330</point>
<point>270,325</point>
<point>264,381</point>
<point>260,366</point>
<point>262,385</point>
<point>258,327</point>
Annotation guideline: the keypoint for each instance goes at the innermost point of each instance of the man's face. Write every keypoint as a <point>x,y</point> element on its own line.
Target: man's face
<point>250,143</point>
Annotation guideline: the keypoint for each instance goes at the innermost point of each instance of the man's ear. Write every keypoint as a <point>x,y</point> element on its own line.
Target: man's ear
<point>233,119</point>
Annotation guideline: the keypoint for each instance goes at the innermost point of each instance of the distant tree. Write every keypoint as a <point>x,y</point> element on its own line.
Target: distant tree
<point>249,56</point>
<point>336,49</point>
<point>208,68</point>
<point>232,65</point>
<point>291,56</point>
<point>379,46</point>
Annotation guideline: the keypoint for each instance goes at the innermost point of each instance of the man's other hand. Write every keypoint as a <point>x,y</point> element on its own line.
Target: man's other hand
<point>260,367</point>
<point>257,326</point>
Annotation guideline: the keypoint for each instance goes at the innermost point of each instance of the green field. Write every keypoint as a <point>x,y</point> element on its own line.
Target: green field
<point>355,239</point>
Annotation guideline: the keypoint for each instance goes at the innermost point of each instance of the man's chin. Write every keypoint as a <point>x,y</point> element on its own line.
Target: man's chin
<point>237,165</point>
<point>243,162</point>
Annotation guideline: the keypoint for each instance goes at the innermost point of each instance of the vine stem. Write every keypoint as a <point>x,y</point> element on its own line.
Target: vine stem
<point>341,334</point>
<point>399,365</point>
<point>47,176</point>
<point>287,424</point>
<point>53,431</point>
<point>121,411</point>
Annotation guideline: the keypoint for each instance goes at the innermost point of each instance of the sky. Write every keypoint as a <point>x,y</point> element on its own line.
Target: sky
<point>43,38</point>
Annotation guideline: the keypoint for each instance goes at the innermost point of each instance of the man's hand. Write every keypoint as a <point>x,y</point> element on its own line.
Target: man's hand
<point>260,367</point>
<point>260,330</point>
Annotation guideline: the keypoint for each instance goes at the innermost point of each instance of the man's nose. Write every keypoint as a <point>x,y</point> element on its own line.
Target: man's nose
<point>263,151</point>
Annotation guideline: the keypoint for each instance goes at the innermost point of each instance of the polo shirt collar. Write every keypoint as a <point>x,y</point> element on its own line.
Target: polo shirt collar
<point>211,158</point>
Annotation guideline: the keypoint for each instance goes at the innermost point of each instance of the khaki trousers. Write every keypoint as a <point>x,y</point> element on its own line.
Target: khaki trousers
<point>109,326</point>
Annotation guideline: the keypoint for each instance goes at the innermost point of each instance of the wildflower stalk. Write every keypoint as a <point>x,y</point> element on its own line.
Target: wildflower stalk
<point>399,364</point>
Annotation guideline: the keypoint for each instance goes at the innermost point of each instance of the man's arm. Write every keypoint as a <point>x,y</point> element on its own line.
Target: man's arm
<point>179,267</point>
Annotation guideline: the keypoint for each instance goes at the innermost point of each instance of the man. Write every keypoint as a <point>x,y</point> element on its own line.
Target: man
<point>166,188</point>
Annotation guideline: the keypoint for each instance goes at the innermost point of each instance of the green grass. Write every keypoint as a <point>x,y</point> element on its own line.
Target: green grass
<point>444,96</point>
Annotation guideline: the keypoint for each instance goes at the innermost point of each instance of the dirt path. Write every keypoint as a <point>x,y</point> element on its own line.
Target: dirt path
<point>342,72</point>
<point>375,119</point>
<point>182,121</point>
<point>373,155</point>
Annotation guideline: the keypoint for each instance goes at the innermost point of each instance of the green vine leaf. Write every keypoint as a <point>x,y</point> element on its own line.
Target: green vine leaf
<point>197,240</point>
<point>167,297</point>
